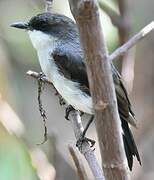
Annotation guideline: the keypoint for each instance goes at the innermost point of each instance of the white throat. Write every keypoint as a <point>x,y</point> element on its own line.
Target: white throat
<point>44,45</point>
<point>41,40</point>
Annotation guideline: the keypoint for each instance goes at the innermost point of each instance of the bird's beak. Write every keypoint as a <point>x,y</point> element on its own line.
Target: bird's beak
<point>20,25</point>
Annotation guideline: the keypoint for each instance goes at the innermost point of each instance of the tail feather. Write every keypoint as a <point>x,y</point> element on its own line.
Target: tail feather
<point>128,153</point>
<point>129,145</point>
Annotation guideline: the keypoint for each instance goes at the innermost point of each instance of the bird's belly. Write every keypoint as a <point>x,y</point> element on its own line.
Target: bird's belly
<point>71,92</point>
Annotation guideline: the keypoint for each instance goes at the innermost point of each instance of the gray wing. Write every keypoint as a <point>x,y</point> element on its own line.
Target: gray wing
<point>124,105</point>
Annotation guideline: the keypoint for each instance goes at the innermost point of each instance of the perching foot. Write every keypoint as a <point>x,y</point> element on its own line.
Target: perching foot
<point>68,110</point>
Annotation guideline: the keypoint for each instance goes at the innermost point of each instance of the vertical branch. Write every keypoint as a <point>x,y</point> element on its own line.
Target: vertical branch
<point>128,59</point>
<point>124,29</point>
<point>102,89</point>
<point>123,24</point>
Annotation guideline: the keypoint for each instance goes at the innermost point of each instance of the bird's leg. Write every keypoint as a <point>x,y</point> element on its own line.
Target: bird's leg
<point>83,138</point>
<point>81,113</point>
<point>61,100</point>
<point>87,125</point>
<point>69,108</point>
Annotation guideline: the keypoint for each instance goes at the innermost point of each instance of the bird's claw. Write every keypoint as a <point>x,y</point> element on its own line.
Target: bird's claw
<point>41,76</point>
<point>61,101</point>
<point>83,139</point>
<point>81,113</point>
<point>68,110</point>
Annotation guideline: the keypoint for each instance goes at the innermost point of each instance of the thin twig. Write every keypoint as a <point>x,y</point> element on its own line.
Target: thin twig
<point>44,79</point>
<point>36,76</point>
<point>85,150</point>
<point>78,163</point>
<point>42,111</point>
<point>132,42</point>
<point>48,5</point>
<point>48,8</point>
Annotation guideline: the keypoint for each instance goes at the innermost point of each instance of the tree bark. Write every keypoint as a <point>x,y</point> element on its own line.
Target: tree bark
<point>102,89</point>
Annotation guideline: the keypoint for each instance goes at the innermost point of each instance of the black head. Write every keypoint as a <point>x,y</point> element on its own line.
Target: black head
<point>48,23</point>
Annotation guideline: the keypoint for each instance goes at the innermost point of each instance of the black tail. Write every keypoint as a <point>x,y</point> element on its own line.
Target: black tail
<point>129,145</point>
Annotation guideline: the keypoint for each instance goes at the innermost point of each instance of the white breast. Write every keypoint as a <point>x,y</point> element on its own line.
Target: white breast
<point>72,94</point>
<point>67,89</point>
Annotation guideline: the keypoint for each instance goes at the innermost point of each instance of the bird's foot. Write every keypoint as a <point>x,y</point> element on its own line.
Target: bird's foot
<point>61,101</point>
<point>83,139</point>
<point>41,76</point>
<point>81,113</point>
<point>68,110</point>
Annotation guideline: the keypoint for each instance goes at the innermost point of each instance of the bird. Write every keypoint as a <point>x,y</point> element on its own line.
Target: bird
<point>56,40</point>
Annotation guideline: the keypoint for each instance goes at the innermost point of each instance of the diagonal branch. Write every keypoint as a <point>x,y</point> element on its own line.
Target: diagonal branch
<point>132,42</point>
<point>78,163</point>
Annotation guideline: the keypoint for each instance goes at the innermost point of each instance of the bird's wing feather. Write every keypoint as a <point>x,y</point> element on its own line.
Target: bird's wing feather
<point>73,67</point>
<point>124,105</point>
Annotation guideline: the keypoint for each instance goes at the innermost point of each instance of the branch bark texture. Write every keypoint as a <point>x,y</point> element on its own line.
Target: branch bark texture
<point>86,149</point>
<point>78,163</point>
<point>102,89</point>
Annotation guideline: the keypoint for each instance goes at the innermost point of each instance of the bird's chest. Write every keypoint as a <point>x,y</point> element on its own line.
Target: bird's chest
<point>50,69</point>
<point>45,62</point>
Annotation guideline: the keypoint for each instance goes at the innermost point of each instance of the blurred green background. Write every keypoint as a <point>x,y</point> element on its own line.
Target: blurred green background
<point>21,126</point>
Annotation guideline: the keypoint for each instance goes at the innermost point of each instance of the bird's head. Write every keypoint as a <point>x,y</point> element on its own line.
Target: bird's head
<point>45,27</point>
